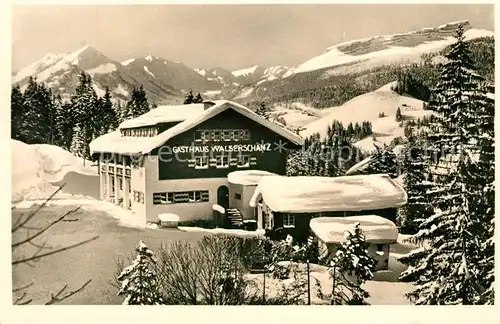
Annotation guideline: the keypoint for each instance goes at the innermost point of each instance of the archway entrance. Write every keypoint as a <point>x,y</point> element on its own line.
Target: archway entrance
<point>223,196</point>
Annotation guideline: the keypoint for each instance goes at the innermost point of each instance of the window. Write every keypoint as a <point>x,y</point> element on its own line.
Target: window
<point>235,135</point>
<point>113,184</point>
<point>201,162</point>
<point>288,220</point>
<point>380,247</point>
<point>180,197</point>
<point>226,135</point>
<point>162,198</point>
<point>243,161</point>
<point>222,161</point>
<point>237,196</point>
<point>216,135</point>
<point>120,182</point>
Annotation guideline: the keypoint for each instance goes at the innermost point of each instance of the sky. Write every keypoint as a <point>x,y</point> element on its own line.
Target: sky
<point>228,36</point>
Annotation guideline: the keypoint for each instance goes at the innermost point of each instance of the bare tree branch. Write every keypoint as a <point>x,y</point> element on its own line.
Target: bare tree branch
<point>36,257</point>
<point>14,290</point>
<point>19,301</point>
<point>59,297</point>
<point>40,232</point>
<point>17,226</point>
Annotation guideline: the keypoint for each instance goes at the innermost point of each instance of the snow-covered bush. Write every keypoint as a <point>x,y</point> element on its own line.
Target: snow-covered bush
<point>139,283</point>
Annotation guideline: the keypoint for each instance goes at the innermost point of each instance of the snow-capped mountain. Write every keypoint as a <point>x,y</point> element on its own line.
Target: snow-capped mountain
<point>363,54</point>
<point>60,73</point>
<point>222,76</point>
<point>356,57</point>
<point>175,74</point>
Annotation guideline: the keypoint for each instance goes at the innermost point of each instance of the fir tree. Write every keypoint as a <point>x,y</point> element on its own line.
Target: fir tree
<point>16,113</point>
<point>298,163</point>
<point>109,115</point>
<point>139,282</point>
<point>32,128</point>
<point>78,145</point>
<point>198,98</point>
<point>383,161</point>
<point>189,98</point>
<point>416,184</point>
<point>137,105</point>
<point>86,113</point>
<point>399,116</point>
<point>350,268</point>
<point>263,110</point>
<point>455,265</point>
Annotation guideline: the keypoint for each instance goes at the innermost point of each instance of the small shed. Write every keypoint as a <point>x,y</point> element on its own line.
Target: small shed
<point>379,232</point>
<point>242,185</point>
<point>288,204</point>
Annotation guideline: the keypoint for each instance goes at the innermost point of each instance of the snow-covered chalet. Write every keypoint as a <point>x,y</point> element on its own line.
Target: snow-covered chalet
<point>176,159</point>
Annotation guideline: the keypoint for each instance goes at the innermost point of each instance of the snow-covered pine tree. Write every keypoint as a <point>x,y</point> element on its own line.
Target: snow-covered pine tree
<point>416,184</point>
<point>139,281</point>
<point>453,265</point>
<point>297,163</point>
<point>85,109</point>
<point>189,98</point>
<point>383,161</point>
<point>78,142</point>
<point>198,98</point>
<point>137,105</point>
<point>142,101</point>
<point>263,110</point>
<point>351,266</point>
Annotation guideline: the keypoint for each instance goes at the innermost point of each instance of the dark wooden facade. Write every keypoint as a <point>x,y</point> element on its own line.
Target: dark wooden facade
<point>261,147</point>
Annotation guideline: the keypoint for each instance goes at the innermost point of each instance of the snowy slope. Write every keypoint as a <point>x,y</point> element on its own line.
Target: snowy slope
<point>37,168</point>
<point>370,52</point>
<point>367,107</point>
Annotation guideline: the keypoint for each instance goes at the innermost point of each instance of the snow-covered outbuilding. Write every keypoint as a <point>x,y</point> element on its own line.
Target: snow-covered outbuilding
<point>176,159</point>
<point>289,203</point>
<point>379,233</point>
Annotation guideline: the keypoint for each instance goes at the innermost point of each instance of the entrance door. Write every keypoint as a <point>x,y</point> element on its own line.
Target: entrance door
<point>223,196</point>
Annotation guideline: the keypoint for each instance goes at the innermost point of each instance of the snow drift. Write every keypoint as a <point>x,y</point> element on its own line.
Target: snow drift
<point>38,169</point>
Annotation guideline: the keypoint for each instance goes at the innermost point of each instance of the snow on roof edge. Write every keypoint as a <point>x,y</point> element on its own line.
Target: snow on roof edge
<point>375,228</point>
<point>313,207</point>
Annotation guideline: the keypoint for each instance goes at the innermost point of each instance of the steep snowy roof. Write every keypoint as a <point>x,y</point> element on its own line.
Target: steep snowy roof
<point>375,228</point>
<point>318,194</point>
<point>114,143</point>
<point>247,177</point>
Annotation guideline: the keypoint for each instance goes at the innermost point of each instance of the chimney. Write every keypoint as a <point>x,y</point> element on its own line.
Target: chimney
<point>207,104</point>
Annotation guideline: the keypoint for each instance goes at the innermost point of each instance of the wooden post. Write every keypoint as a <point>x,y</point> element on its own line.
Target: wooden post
<point>308,284</point>
<point>264,287</point>
<point>333,288</point>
